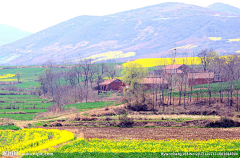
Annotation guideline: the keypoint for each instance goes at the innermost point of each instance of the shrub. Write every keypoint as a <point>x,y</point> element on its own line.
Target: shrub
<point>223,122</point>
<point>125,121</point>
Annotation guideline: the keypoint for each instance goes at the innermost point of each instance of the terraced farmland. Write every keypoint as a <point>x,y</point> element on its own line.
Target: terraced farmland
<point>22,107</point>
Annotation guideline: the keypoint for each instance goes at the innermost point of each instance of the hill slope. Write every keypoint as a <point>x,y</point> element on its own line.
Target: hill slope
<point>146,32</point>
<point>9,34</point>
<point>224,8</point>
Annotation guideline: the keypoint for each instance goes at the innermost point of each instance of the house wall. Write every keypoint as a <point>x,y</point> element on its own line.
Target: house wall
<point>112,86</point>
<point>198,81</point>
<point>115,85</point>
<point>150,86</point>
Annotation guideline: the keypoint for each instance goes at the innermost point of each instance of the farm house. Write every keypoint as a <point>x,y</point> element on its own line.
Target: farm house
<point>177,69</point>
<point>150,83</point>
<point>200,78</point>
<point>111,84</point>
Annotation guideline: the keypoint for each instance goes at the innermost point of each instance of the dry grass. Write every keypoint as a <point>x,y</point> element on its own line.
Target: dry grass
<point>174,116</point>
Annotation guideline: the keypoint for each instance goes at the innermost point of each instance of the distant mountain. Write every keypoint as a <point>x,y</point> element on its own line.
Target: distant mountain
<point>224,8</point>
<point>10,34</point>
<point>148,32</point>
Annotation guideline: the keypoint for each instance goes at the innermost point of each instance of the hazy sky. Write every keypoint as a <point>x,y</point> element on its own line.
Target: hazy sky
<point>36,15</point>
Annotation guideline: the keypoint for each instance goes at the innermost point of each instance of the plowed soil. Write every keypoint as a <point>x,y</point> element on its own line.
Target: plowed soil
<point>155,133</point>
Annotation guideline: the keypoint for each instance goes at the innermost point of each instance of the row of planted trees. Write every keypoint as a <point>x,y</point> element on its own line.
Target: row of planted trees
<point>73,83</point>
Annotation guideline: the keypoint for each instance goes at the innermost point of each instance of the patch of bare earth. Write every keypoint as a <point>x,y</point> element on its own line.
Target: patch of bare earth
<point>155,133</point>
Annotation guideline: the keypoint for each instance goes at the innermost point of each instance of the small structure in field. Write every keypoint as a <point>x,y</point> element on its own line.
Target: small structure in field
<point>200,78</point>
<point>151,83</point>
<point>111,84</point>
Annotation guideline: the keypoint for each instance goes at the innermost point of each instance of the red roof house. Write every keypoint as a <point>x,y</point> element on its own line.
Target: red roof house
<point>111,84</point>
<point>175,69</point>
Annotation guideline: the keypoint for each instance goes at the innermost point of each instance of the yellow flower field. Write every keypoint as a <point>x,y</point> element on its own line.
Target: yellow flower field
<point>6,77</point>
<point>151,62</point>
<point>215,38</point>
<point>127,146</point>
<point>36,140</point>
<point>32,140</point>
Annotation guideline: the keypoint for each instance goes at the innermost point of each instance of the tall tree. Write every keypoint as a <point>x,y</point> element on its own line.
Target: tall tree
<point>133,75</point>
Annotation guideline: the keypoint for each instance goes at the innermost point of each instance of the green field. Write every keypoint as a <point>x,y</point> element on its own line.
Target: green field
<point>18,96</point>
<point>18,116</point>
<point>22,110</point>
<point>9,127</point>
<point>26,73</point>
<point>89,105</point>
<point>11,105</point>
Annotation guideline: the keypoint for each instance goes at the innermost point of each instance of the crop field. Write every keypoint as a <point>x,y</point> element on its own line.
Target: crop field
<point>172,145</point>
<point>26,73</point>
<point>151,62</point>
<point>32,140</point>
<point>42,141</point>
<point>89,105</point>
<point>22,107</point>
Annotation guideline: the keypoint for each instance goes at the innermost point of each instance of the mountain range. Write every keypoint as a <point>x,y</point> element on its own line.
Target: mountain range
<point>149,32</point>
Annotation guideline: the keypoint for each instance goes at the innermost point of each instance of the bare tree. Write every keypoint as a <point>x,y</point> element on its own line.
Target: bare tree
<point>18,75</point>
<point>207,59</point>
<point>86,65</point>
<point>101,71</point>
<point>111,72</point>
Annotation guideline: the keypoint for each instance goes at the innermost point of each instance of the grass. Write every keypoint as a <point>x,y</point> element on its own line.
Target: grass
<point>89,105</point>
<point>136,154</point>
<point>23,110</point>
<point>9,127</point>
<point>27,100</point>
<point>19,96</point>
<point>25,105</point>
<point>18,116</point>
<point>3,91</point>
<point>26,73</point>
<point>28,84</point>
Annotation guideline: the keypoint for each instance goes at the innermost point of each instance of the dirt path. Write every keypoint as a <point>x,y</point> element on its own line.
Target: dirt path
<point>155,133</point>
<point>21,124</point>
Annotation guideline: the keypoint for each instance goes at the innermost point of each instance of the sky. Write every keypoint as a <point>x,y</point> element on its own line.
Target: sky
<point>37,15</point>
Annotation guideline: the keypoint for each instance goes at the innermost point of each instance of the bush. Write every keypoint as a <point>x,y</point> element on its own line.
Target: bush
<point>223,122</point>
<point>125,121</point>
<point>136,106</point>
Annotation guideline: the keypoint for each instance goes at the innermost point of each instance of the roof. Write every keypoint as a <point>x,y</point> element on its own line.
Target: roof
<point>173,66</point>
<point>154,81</point>
<point>205,75</point>
<point>173,71</point>
<point>108,81</point>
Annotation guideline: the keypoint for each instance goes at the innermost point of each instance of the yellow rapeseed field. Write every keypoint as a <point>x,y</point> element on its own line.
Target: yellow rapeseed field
<point>36,140</point>
<point>32,140</point>
<point>6,77</point>
<point>215,38</point>
<point>127,146</point>
<point>234,40</point>
<point>151,62</point>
